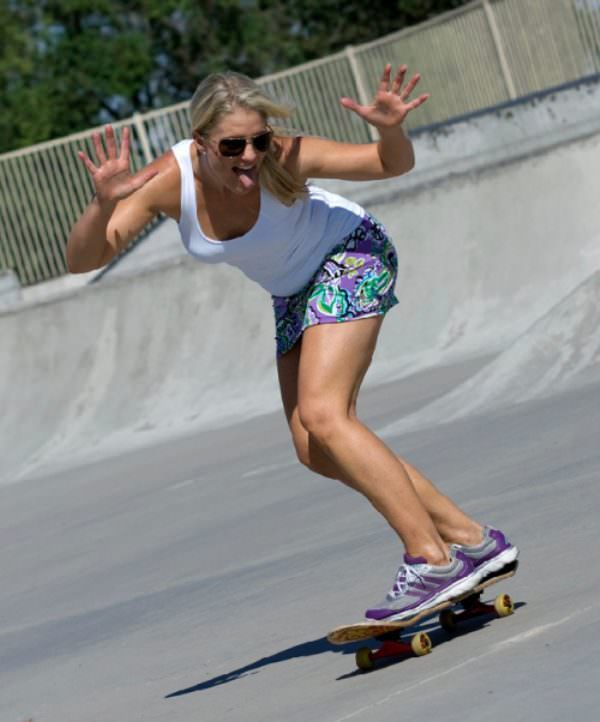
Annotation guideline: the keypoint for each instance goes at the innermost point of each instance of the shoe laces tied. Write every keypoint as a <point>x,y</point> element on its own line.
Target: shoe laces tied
<point>407,575</point>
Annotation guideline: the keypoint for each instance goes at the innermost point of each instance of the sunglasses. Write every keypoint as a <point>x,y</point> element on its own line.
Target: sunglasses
<point>232,147</point>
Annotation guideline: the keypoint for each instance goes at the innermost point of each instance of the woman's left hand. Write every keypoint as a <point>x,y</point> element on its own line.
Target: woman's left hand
<point>391,104</point>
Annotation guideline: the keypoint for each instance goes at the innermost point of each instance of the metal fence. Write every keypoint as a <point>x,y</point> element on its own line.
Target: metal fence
<point>484,53</point>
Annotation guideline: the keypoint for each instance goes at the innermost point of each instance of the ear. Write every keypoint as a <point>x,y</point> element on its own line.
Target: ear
<point>199,141</point>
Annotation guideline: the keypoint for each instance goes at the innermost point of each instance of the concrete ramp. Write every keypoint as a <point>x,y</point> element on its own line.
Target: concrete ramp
<point>489,241</point>
<point>560,351</point>
<point>116,366</point>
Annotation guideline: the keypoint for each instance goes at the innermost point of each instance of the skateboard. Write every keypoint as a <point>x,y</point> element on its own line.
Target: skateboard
<point>389,633</point>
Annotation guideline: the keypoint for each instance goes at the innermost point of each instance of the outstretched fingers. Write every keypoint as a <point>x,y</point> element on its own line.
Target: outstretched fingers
<point>384,83</point>
<point>397,87</point>
<point>112,153</point>
<point>99,148</point>
<point>409,87</point>
<point>111,145</point>
<point>351,104</point>
<point>124,154</point>
<point>417,101</point>
<point>110,172</point>
<point>88,163</point>
<point>399,78</point>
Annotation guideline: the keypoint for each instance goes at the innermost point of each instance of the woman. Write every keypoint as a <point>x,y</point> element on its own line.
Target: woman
<point>240,195</point>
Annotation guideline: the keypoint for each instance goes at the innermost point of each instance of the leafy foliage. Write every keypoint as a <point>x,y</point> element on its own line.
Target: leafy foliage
<point>66,65</point>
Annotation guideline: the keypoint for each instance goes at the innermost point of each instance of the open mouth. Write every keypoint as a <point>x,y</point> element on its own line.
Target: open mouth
<point>248,177</point>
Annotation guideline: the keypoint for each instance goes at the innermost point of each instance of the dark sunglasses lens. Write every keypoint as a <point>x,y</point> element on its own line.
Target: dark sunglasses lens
<point>232,146</point>
<point>262,142</point>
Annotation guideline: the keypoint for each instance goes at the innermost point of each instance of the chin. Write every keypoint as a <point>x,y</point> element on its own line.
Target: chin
<point>241,191</point>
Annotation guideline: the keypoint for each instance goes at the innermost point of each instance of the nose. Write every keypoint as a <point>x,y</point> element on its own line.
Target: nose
<point>249,155</point>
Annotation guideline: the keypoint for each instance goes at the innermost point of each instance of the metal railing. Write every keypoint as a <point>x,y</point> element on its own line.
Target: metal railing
<point>479,55</point>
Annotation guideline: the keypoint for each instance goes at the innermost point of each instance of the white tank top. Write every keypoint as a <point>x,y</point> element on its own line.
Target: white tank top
<point>285,246</point>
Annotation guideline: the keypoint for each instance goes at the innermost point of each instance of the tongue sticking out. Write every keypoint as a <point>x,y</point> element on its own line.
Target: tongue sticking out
<point>247,176</point>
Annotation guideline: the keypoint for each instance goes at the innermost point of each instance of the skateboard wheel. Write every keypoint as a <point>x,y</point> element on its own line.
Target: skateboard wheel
<point>503,605</point>
<point>448,620</point>
<point>364,660</point>
<point>421,644</point>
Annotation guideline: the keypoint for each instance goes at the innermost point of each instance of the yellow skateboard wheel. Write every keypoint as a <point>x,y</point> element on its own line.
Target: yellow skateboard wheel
<point>363,658</point>
<point>503,605</point>
<point>421,644</point>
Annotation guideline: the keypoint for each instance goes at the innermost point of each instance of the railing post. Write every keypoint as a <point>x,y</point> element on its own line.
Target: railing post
<point>140,128</point>
<point>497,38</point>
<point>363,96</point>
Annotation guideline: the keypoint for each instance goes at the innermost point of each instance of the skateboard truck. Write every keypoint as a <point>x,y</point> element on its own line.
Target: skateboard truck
<point>394,647</point>
<point>388,633</point>
<point>473,607</point>
<point>419,645</point>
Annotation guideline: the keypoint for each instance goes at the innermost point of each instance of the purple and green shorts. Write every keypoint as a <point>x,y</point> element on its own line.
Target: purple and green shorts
<point>355,280</point>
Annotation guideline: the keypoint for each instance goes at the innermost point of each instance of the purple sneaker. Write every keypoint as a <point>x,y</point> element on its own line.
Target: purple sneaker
<point>491,555</point>
<point>420,585</point>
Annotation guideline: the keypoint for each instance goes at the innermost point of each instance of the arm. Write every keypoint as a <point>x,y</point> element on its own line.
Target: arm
<point>392,155</point>
<point>122,205</point>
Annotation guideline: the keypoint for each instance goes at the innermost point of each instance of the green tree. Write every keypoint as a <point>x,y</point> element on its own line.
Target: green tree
<point>69,64</point>
<point>79,67</point>
<point>326,26</point>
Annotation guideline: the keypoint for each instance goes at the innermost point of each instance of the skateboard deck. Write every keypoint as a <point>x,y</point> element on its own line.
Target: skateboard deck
<point>372,630</point>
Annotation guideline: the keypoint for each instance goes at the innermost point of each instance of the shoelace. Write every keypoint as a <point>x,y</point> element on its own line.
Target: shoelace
<point>404,578</point>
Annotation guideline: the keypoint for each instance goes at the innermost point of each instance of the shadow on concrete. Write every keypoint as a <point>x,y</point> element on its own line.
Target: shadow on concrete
<point>306,649</point>
<point>436,633</point>
<point>318,646</point>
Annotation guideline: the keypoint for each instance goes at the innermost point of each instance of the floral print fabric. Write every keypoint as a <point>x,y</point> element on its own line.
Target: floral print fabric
<point>355,280</point>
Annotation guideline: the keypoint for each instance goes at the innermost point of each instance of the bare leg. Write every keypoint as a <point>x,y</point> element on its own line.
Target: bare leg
<point>451,524</point>
<point>333,360</point>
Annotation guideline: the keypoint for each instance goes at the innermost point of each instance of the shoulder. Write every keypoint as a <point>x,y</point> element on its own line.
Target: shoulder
<point>315,157</point>
<point>286,145</point>
<point>302,155</point>
<point>162,193</point>
<point>168,169</point>
<point>287,149</point>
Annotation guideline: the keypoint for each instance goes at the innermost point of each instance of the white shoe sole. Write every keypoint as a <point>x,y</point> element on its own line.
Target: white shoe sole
<point>495,564</point>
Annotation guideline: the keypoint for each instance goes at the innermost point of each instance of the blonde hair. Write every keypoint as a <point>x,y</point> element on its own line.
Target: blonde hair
<point>221,93</point>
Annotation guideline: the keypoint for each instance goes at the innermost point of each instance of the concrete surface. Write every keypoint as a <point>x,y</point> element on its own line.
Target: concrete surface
<point>10,289</point>
<point>164,557</point>
<point>198,579</point>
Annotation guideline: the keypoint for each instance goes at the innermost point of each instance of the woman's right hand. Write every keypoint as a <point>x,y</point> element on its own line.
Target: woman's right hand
<point>110,175</point>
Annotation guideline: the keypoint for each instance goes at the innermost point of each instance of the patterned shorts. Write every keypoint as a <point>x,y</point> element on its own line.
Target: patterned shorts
<point>355,280</point>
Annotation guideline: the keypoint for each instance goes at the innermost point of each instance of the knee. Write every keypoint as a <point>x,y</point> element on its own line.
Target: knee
<point>321,419</point>
<point>303,454</point>
<point>310,454</point>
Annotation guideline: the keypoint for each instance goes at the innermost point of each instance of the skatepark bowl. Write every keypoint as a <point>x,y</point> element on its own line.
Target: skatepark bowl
<point>165,557</point>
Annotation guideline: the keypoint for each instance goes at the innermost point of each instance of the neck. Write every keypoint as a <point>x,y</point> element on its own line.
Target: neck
<point>204,176</point>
